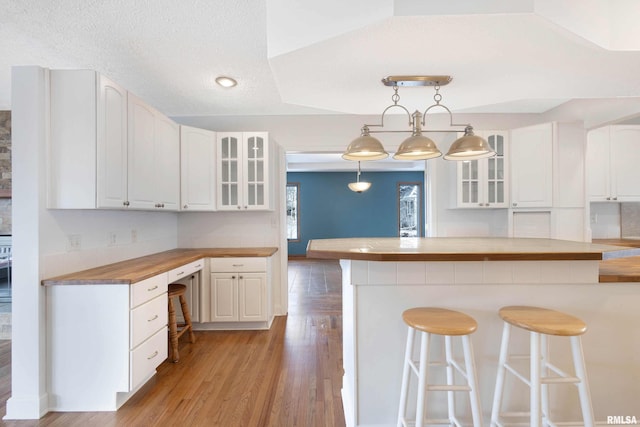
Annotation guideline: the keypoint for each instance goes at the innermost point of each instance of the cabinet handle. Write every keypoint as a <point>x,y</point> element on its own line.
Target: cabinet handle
<point>514,204</point>
<point>237,265</point>
<point>608,198</point>
<point>185,207</point>
<point>239,277</point>
<point>615,198</point>
<point>180,273</point>
<point>233,277</point>
<point>245,207</point>
<point>155,353</point>
<point>239,207</point>
<point>152,289</point>
<point>153,318</point>
<point>198,266</point>
<point>126,203</point>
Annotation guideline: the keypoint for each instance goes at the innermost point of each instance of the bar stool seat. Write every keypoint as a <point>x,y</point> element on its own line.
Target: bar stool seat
<point>428,321</point>
<point>541,322</point>
<point>177,330</point>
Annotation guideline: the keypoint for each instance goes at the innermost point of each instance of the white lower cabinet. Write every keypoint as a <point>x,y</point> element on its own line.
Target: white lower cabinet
<point>239,292</point>
<point>104,342</point>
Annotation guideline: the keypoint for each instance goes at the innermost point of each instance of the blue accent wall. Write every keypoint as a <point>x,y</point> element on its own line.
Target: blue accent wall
<point>328,209</point>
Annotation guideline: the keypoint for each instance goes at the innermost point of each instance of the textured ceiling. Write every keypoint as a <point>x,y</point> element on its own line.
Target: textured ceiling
<point>309,57</point>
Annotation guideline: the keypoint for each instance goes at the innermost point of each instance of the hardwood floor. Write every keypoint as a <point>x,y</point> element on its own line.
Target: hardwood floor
<point>290,375</point>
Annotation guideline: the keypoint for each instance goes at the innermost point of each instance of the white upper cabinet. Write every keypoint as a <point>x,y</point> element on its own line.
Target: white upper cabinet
<point>243,171</point>
<point>197,169</point>
<point>153,158</point>
<point>613,156</point>
<point>531,160</point>
<point>87,149</point>
<point>483,183</point>
<point>107,148</point>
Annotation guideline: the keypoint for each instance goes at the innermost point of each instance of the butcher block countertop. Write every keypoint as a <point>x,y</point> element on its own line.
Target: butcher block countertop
<point>138,269</point>
<point>463,249</point>
<point>622,269</point>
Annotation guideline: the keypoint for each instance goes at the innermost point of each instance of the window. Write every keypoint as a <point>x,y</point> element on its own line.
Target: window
<point>409,209</point>
<point>293,204</point>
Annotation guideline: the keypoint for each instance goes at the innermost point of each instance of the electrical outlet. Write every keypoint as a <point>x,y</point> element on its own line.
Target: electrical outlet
<point>74,242</point>
<point>134,235</point>
<point>112,238</point>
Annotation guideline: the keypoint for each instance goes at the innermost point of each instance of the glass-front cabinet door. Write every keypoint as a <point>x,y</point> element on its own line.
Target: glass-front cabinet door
<point>255,167</point>
<point>243,171</point>
<point>483,183</point>
<point>229,173</point>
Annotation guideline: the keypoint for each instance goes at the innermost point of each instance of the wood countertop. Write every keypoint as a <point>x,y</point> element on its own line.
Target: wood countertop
<point>463,249</point>
<point>622,269</point>
<point>138,269</point>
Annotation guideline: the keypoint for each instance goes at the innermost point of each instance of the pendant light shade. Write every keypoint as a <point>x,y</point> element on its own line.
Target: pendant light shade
<point>365,147</point>
<point>417,147</point>
<point>359,186</point>
<point>469,147</point>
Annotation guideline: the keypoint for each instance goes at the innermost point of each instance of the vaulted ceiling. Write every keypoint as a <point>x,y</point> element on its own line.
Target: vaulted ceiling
<point>327,57</point>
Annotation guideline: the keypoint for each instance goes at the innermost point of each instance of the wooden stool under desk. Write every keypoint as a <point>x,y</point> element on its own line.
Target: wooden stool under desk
<point>447,323</point>
<point>541,322</point>
<point>176,290</point>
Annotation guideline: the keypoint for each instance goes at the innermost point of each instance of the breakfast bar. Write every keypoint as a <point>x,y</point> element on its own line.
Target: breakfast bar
<point>382,277</point>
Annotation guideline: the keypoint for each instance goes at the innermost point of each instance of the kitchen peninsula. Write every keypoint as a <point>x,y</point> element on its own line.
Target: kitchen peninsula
<point>382,277</point>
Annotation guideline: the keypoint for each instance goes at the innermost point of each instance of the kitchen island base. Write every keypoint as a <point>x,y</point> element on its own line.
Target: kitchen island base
<point>375,293</point>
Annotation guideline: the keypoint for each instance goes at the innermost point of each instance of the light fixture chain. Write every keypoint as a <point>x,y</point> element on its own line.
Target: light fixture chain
<point>395,97</point>
<point>437,97</point>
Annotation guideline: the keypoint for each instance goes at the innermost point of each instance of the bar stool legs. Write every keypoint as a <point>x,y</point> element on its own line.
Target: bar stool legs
<point>540,323</point>
<point>428,322</point>
<point>176,290</point>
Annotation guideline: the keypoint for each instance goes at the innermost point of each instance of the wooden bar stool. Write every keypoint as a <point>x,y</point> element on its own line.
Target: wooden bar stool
<point>541,322</point>
<point>447,323</point>
<point>177,330</point>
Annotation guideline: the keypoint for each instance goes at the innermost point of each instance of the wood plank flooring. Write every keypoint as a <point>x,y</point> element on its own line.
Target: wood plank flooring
<point>290,375</point>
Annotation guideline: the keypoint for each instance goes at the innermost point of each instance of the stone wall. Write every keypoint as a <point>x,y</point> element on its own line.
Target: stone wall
<point>5,172</point>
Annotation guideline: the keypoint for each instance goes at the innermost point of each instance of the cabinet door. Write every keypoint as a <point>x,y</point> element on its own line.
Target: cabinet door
<point>469,184</point>
<point>224,297</point>
<point>141,164</point>
<point>252,294</point>
<point>255,171</point>
<point>111,142</point>
<point>496,171</point>
<point>166,185</point>
<point>197,157</point>
<point>531,166</point>
<point>229,171</point>
<point>625,163</point>
<point>598,165</point>
<point>482,183</point>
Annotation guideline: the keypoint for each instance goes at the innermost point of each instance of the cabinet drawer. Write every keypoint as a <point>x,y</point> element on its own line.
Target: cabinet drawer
<point>147,289</point>
<point>147,318</point>
<point>185,270</point>
<point>145,358</point>
<point>238,264</point>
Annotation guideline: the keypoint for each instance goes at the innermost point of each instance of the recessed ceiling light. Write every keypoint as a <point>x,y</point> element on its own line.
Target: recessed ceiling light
<point>225,81</point>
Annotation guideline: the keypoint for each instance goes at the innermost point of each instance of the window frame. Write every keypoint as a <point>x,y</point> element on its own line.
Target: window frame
<point>420,214</point>
<point>297,186</point>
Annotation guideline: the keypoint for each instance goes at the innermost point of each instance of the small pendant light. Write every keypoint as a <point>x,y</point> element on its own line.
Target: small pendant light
<point>359,186</point>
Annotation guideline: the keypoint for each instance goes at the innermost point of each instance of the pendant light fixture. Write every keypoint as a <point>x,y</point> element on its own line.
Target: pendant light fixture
<point>417,146</point>
<point>359,186</point>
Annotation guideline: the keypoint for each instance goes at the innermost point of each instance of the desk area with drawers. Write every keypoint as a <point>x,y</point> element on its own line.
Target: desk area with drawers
<point>107,326</point>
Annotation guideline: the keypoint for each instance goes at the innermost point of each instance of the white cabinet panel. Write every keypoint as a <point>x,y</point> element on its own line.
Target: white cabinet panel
<point>251,297</point>
<point>147,319</point>
<point>145,358</point>
<point>531,166</point>
<point>87,154</point>
<point>197,169</point>
<point>224,297</point>
<point>154,158</point>
<point>613,156</point>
